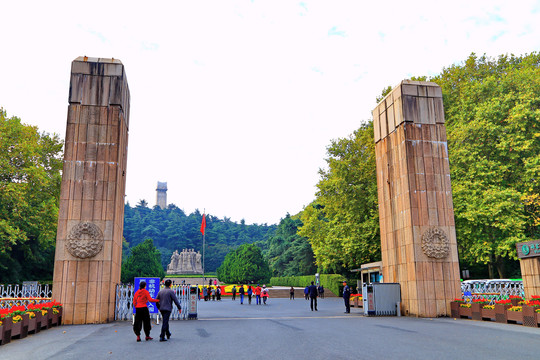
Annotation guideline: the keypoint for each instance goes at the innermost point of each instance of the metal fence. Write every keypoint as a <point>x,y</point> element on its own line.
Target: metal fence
<point>491,289</point>
<point>187,299</point>
<point>16,295</point>
<point>11,295</point>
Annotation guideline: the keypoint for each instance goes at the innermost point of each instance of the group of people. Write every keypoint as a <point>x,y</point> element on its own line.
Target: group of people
<point>307,295</point>
<point>166,297</point>
<point>211,293</point>
<point>164,301</point>
<point>261,294</point>
<point>311,292</point>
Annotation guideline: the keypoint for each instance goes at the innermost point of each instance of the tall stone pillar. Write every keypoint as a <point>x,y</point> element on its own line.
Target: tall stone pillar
<point>418,239</point>
<point>91,217</point>
<point>161,195</point>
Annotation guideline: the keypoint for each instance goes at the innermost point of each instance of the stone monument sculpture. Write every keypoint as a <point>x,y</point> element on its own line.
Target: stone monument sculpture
<point>91,209</point>
<point>186,262</point>
<point>416,214</point>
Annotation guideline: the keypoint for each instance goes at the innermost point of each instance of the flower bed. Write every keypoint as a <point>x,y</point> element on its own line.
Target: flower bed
<point>356,300</point>
<point>488,312</point>
<point>515,314</point>
<point>454,307</point>
<point>476,308</point>
<point>531,312</point>
<point>513,310</point>
<point>465,310</point>
<point>500,310</point>
<point>18,321</point>
<point>515,300</point>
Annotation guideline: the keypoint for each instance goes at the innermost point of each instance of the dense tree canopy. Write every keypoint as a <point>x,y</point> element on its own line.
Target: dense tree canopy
<point>342,224</point>
<point>288,253</point>
<point>171,229</point>
<point>244,265</point>
<point>30,164</point>
<point>492,109</point>
<point>144,260</point>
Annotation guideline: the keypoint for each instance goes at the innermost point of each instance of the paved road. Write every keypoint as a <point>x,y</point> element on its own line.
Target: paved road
<point>286,329</point>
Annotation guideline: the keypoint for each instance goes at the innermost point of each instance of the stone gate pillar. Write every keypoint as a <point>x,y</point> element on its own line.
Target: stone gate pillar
<point>418,240</point>
<point>91,217</point>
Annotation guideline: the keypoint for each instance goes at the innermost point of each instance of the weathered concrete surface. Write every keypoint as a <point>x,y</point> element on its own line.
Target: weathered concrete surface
<point>416,215</point>
<point>91,209</point>
<point>285,329</point>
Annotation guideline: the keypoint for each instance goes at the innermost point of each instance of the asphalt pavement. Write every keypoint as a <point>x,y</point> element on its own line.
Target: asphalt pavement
<point>285,329</point>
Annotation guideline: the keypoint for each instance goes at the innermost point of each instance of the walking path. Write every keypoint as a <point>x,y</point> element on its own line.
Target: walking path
<point>285,329</point>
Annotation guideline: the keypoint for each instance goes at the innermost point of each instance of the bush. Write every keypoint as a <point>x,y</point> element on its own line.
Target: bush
<point>332,282</point>
<point>144,261</point>
<point>243,265</point>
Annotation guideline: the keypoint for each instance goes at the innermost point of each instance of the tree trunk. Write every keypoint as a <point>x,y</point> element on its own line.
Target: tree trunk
<point>490,267</point>
<point>500,267</point>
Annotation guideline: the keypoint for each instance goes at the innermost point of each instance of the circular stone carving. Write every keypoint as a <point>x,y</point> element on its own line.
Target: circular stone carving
<point>435,243</point>
<point>85,240</point>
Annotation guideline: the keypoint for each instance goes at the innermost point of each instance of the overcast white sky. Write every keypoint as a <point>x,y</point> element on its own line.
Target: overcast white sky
<point>233,103</point>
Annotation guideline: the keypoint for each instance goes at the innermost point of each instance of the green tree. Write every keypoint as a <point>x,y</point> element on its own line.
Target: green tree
<point>288,253</point>
<point>171,229</point>
<point>243,265</point>
<point>492,109</point>
<point>342,224</point>
<point>30,164</point>
<point>144,261</point>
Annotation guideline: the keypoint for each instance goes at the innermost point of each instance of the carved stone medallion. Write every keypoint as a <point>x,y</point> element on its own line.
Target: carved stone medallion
<point>85,240</point>
<point>435,244</point>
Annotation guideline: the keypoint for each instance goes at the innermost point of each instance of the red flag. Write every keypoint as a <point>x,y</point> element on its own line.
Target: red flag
<point>203,224</point>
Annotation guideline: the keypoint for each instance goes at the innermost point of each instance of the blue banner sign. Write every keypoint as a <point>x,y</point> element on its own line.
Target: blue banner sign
<point>152,285</point>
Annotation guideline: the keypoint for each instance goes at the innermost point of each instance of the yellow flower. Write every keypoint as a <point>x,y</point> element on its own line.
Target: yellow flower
<point>17,318</point>
<point>55,311</point>
<point>43,312</point>
<point>31,314</point>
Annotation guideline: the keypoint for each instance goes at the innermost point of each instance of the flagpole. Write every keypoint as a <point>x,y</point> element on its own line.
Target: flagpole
<point>203,248</point>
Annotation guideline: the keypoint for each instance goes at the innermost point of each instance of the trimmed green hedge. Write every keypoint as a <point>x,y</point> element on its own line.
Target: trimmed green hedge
<point>332,282</point>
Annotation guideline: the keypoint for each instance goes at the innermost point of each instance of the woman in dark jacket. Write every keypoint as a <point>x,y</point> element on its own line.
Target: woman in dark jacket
<point>142,315</point>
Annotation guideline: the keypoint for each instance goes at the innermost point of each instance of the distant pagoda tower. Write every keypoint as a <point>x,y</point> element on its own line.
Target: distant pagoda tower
<point>161,195</point>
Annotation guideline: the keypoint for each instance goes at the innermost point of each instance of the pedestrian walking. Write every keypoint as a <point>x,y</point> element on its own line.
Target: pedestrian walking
<point>250,293</point>
<point>213,292</point>
<point>346,297</point>
<point>142,315</point>
<point>264,294</point>
<point>241,291</point>
<point>291,293</point>
<point>205,293</point>
<point>218,293</point>
<point>313,296</point>
<point>258,295</point>
<point>306,292</point>
<point>166,297</point>
<point>234,292</point>
<point>321,292</point>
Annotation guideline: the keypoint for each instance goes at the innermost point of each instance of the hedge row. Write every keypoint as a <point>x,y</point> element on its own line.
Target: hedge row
<point>332,282</point>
